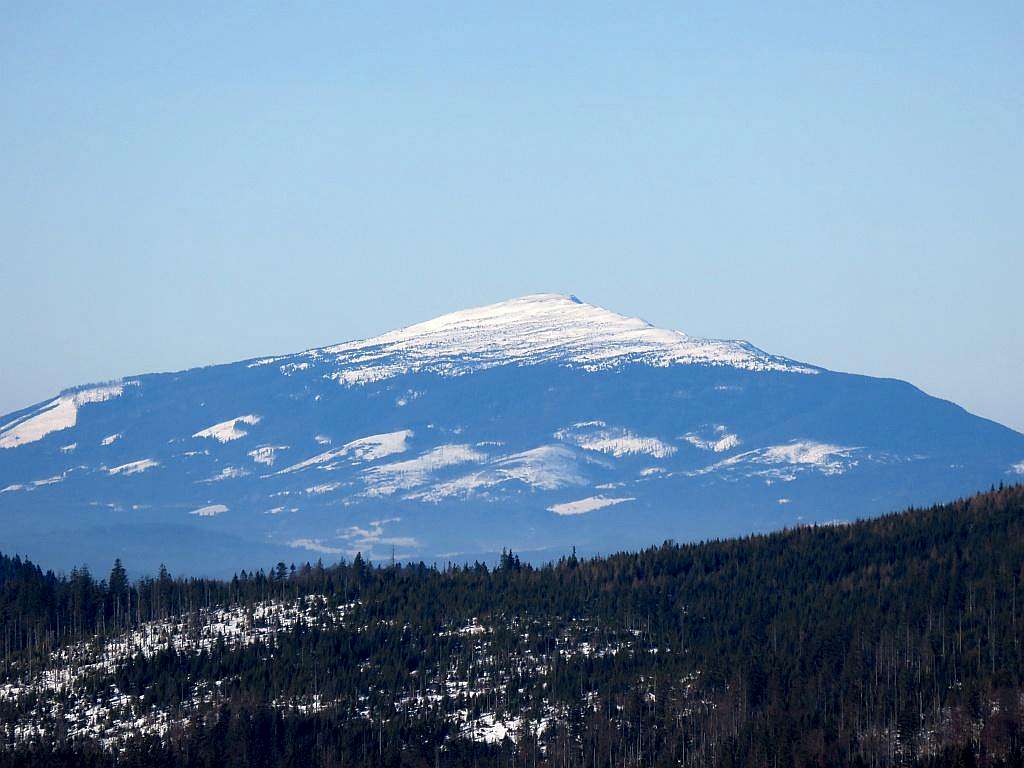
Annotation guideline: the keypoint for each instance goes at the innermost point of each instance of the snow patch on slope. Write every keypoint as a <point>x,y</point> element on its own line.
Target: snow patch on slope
<point>266,454</point>
<point>491,729</point>
<point>582,506</point>
<point>133,467</point>
<point>387,479</point>
<point>546,468</point>
<point>228,430</point>
<point>617,441</point>
<point>719,441</point>
<point>60,413</point>
<point>823,455</point>
<point>228,473</point>
<point>212,510</point>
<point>785,461</point>
<point>39,483</point>
<point>322,488</point>
<point>368,448</point>
<point>64,684</point>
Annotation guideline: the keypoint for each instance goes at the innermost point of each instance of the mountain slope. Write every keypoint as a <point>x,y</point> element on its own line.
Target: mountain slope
<point>540,423</point>
<point>888,642</point>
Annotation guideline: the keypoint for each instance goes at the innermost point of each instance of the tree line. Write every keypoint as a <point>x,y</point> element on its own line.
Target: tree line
<point>893,641</point>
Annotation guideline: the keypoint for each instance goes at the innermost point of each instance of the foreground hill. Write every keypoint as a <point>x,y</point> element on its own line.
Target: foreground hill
<point>895,641</point>
<point>541,423</point>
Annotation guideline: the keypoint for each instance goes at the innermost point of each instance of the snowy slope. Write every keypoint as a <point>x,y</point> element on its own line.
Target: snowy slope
<point>539,423</point>
<point>526,331</point>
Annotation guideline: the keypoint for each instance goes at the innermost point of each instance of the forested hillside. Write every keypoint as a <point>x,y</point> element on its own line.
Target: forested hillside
<point>895,641</point>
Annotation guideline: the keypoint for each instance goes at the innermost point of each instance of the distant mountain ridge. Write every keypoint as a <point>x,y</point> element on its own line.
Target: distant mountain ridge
<point>540,423</point>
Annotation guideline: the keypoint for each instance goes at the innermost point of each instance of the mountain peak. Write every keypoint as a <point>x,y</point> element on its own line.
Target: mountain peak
<point>479,429</point>
<point>528,330</point>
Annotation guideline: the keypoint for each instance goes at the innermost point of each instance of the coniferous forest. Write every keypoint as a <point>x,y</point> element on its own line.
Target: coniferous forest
<point>892,641</point>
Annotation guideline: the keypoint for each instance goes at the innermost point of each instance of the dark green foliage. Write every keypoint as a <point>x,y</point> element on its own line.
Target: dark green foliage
<point>891,641</point>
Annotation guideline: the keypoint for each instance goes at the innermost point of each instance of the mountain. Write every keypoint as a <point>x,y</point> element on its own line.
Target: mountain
<point>541,424</point>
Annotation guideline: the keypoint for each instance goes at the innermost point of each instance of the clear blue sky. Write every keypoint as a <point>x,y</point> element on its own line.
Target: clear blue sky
<point>836,182</point>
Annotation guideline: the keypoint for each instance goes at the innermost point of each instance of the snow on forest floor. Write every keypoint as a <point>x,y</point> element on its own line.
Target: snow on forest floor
<point>74,693</point>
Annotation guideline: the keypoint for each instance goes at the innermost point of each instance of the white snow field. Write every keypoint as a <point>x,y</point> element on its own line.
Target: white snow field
<point>211,510</point>
<point>133,467</point>
<point>363,449</point>
<point>582,506</point>
<point>540,328</point>
<point>60,413</point>
<point>616,441</point>
<point>228,430</point>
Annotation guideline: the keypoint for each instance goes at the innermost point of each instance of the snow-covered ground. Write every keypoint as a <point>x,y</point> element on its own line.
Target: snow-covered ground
<point>229,430</point>
<point>547,467</point>
<point>73,687</point>
<point>785,462</point>
<point>387,479</point>
<point>62,690</point>
<point>133,467</point>
<point>266,454</point>
<point>363,449</point>
<point>616,441</point>
<point>58,414</point>
<point>528,330</point>
<point>582,506</point>
<point>718,439</point>
<point>210,510</point>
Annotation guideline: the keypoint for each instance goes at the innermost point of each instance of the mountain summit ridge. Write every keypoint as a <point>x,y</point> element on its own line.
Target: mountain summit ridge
<point>531,329</point>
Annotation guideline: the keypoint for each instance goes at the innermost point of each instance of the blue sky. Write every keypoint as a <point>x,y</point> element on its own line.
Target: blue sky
<point>838,183</point>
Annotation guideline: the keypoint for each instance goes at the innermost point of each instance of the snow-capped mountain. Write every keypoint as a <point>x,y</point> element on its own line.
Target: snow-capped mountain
<point>538,424</point>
